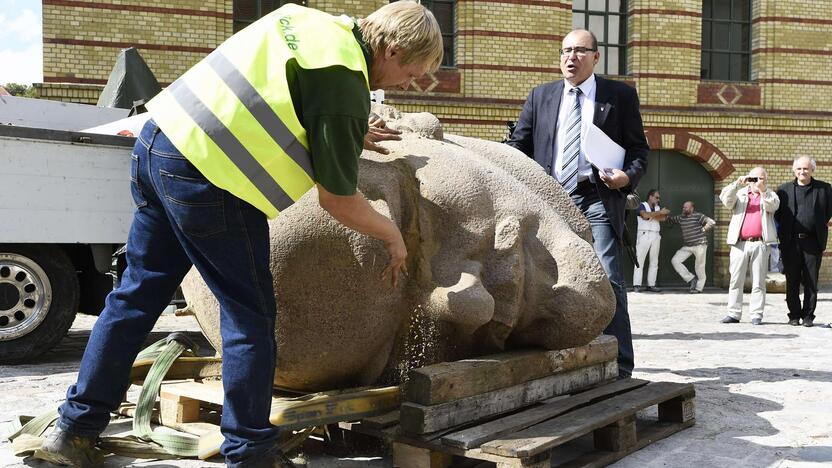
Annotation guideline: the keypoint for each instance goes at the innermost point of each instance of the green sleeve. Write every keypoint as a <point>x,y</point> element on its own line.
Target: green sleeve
<point>333,105</point>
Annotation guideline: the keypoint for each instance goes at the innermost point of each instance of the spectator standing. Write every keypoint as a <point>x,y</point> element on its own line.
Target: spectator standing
<point>750,233</point>
<point>694,225</point>
<point>648,240</point>
<point>805,208</point>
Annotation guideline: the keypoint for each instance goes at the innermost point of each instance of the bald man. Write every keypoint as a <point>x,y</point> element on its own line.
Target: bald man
<point>805,208</point>
<point>750,234</point>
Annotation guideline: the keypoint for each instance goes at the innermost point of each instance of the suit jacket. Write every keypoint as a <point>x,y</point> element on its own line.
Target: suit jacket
<point>616,114</point>
<point>820,201</point>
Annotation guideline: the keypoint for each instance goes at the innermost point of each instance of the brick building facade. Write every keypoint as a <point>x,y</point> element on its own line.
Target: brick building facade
<point>727,88</point>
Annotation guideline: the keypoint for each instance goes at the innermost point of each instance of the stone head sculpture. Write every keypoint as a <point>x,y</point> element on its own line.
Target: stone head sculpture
<point>498,258</point>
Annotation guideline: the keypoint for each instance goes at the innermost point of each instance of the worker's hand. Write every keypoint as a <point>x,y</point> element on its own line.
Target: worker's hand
<point>377,132</point>
<point>616,180</point>
<point>398,254</point>
<point>664,211</point>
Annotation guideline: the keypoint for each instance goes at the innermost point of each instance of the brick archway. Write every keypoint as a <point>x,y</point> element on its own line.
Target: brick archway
<point>676,139</point>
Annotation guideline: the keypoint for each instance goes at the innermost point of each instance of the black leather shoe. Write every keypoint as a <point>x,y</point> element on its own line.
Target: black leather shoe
<point>63,448</point>
<point>808,322</point>
<point>636,288</point>
<point>794,322</point>
<point>692,285</point>
<point>729,319</point>
<point>653,289</point>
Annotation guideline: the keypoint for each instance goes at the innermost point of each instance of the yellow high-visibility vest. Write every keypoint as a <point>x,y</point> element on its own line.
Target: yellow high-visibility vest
<point>232,116</point>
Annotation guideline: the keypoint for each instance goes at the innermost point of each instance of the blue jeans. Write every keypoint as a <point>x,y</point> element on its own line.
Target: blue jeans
<point>609,250</point>
<point>183,220</point>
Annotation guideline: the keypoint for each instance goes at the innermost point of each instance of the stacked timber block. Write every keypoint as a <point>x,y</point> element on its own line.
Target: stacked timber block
<point>520,409</point>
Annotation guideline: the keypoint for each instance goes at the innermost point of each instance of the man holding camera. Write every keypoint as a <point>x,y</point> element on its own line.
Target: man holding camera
<point>750,233</point>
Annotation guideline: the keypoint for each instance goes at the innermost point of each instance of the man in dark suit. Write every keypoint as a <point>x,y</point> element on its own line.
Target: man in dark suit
<point>805,208</point>
<point>549,131</point>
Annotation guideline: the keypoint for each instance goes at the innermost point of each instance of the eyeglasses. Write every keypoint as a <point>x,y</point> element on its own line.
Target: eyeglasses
<point>580,51</point>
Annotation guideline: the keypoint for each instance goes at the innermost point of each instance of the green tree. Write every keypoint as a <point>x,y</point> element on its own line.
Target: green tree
<point>20,90</point>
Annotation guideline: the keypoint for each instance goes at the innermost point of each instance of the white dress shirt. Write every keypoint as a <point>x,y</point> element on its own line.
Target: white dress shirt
<point>567,101</point>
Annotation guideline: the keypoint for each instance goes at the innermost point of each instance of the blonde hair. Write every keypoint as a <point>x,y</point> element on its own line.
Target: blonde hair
<point>408,27</point>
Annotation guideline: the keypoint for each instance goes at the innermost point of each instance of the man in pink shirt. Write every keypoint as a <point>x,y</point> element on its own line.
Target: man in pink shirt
<point>750,234</point>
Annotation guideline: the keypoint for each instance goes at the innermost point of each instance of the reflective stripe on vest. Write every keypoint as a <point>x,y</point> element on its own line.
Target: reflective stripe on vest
<point>231,146</point>
<point>232,114</point>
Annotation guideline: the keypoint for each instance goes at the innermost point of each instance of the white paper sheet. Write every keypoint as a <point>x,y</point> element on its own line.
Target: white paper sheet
<point>600,150</point>
<point>132,124</point>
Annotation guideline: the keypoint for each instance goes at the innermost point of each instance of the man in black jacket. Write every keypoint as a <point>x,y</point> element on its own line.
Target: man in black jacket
<point>550,129</point>
<point>805,208</point>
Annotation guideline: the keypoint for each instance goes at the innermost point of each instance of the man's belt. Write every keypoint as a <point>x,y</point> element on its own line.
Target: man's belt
<point>752,239</point>
<point>803,235</point>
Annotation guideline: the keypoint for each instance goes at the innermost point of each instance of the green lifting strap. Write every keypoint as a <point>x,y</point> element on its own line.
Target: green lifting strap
<point>26,432</point>
<point>176,444</point>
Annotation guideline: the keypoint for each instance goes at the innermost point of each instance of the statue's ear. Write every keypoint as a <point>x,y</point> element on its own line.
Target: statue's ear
<point>466,304</point>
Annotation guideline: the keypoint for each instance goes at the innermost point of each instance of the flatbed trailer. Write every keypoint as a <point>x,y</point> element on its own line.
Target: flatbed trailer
<point>65,208</point>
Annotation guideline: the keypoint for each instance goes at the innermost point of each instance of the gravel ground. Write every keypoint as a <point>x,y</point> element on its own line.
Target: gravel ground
<point>762,392</point>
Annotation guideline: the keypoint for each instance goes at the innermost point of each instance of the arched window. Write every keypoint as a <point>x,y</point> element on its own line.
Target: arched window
<point>607,19</point>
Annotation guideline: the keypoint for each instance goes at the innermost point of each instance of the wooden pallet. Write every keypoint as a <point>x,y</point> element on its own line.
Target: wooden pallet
<point>551,432</point>
<point>194,407</point>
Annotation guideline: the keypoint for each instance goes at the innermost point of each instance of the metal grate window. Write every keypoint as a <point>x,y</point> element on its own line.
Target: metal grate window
<point>445,13</point>
<point>607,19</point>
<point>249,11</point>
<point>726,40</point>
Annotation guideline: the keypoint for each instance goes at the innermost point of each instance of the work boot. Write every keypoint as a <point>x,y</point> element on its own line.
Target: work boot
<point>63,448</point>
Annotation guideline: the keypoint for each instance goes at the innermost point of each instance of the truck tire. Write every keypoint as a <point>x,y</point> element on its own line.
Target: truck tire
<point>39,295</point>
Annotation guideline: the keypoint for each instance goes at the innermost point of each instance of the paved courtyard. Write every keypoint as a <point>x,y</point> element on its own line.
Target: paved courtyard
<point>763,393</point>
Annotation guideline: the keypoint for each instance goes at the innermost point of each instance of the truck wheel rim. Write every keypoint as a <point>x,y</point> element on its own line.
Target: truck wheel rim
<point>25,296</point>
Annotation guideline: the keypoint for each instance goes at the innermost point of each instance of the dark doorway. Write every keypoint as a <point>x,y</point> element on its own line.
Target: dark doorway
<point>678,178</point>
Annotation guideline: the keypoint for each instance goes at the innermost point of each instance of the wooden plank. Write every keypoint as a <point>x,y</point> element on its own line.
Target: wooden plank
<point>474,436</point>
<point>381,421</point>
<point>421,419</point>
<point>620,435</point>
<point>475,454</point>
<point>646,436</point>
<point>562,429</point>
<point>677,410</point>
<point>175,408</point>
<point>448,381</point>
<point>194,390</point>
<point>408,456</point>
<point>309,410</point>
<point>183,368</point>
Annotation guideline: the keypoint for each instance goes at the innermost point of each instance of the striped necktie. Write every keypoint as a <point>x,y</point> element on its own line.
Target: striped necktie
<point>572,148</point>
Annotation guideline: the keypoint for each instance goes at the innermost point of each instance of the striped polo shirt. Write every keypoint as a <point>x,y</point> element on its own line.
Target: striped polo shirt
<point>692,233</point>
